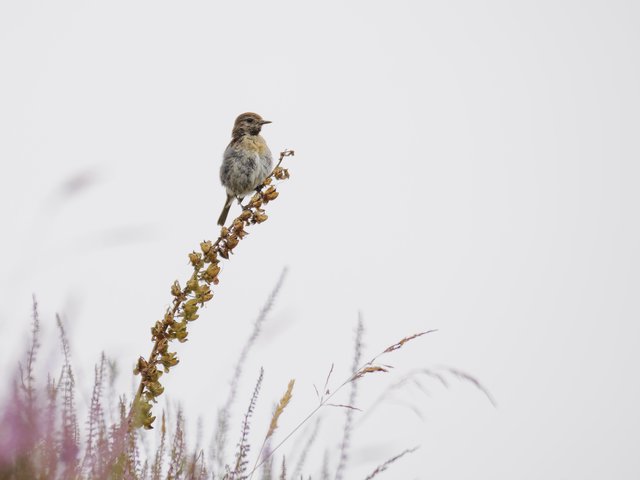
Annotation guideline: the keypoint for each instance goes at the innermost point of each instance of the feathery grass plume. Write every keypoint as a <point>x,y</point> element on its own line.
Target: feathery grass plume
<point>396,346</point>
<point>381,468</point>
<point>371,367</point>
<point>282,404</point>
<point>243,445</point>
<point>348,424</point>
<point>399,344</point>
<point>189,299</point>
<point>284,401</point>
<point>222,424</point>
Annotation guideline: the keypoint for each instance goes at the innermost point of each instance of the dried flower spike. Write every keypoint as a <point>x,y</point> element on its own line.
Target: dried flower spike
<point>196,293</point>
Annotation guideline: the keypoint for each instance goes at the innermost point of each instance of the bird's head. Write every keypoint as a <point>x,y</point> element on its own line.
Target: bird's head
<point>248,124</point>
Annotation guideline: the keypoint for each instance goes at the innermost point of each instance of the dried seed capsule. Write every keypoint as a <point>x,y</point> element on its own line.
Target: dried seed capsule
<point>232,242</point>
<point>213,270</point>
<point>192,284</point>
<point>195,258</point>
<point>259,217</point>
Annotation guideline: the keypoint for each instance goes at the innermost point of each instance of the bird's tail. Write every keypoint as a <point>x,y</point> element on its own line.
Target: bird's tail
<point>225,211</point>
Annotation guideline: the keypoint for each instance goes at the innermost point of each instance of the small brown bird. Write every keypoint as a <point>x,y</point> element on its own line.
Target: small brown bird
<point>246,162</point>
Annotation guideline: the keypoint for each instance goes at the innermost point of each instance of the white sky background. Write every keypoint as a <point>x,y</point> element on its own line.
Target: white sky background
<point>465,166</point>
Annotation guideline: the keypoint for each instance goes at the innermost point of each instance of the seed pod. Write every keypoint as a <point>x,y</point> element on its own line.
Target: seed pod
<point>192,284</point>
<point>232,242</point>
<point>213,270</point>
<point>270,194</point>
<point>259,217</point>
<point>195,259</point>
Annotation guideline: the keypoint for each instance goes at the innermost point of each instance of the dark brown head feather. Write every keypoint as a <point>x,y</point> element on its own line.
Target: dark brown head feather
<point>248,123</point>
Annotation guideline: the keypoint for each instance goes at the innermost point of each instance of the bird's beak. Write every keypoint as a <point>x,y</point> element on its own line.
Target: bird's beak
<point>263,122</point>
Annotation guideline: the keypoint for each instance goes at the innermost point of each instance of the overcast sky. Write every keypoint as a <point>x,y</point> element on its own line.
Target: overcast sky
<point>465,166</point>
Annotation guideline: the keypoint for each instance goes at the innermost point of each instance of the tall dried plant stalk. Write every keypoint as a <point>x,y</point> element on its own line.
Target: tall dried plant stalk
<point>282,404</point>
<point>189,299</point>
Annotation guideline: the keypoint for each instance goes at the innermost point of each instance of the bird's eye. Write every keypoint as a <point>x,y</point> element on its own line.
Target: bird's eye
<point>250,120</point>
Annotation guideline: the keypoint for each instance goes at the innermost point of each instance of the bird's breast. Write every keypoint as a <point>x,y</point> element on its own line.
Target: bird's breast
<point>253,143</point>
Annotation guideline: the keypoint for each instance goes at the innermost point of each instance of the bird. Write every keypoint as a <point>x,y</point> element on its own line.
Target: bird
<point>246,162</point>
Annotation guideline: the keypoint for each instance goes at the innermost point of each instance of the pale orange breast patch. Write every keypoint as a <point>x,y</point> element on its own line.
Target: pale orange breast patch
<point>255,144</point>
